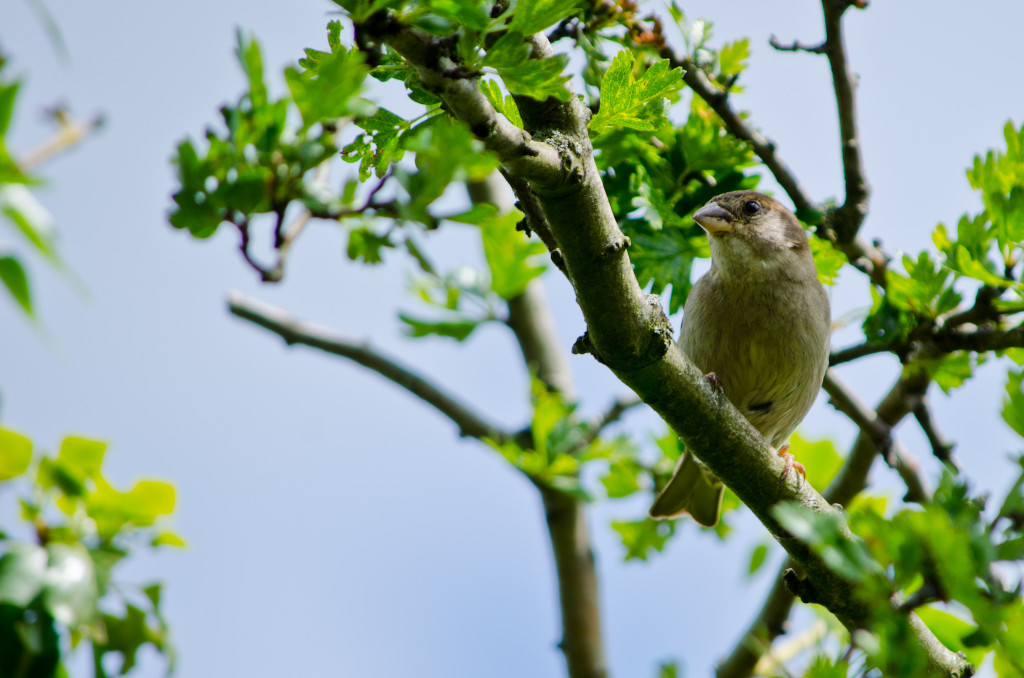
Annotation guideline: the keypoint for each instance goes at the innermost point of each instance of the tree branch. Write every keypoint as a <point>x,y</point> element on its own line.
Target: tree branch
<point>530,320</point>
<point>874,437</point>
<point>294,331</point>
<point>850,216</point>
<point>880,434</point>
<point>942,448</point>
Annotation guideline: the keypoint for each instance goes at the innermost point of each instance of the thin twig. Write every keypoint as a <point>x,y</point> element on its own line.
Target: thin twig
<point>942,448</point>
<point>294,331</point>
<point>69,133</point>
<point>618,408</point>
<point>796,46</point>
<point>849,216</point>
<point>880,434</point>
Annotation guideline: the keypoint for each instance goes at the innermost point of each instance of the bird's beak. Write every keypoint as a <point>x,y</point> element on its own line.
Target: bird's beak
<point>713,218</point>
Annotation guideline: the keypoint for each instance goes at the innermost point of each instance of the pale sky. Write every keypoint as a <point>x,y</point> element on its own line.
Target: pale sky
<point>336,526</point>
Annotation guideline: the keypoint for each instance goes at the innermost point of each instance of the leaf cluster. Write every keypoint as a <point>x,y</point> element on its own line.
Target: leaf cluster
<point>59,588</point>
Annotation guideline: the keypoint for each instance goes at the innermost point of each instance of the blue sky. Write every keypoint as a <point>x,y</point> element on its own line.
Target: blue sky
<point>335,525</point>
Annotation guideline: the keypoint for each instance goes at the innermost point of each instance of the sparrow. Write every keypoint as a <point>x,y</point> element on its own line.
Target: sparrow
<point>758,325</point>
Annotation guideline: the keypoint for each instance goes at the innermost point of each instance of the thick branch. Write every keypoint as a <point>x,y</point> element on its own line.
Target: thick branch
<point>294,331</point>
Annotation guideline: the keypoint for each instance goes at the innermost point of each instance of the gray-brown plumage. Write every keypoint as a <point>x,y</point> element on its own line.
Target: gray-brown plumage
<point>760,320</point>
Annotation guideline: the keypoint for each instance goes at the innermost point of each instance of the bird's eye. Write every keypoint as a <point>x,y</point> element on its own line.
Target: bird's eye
<point>751,207</point>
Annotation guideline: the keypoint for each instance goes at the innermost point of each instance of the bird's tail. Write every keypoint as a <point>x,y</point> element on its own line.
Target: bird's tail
<point>692,489</point>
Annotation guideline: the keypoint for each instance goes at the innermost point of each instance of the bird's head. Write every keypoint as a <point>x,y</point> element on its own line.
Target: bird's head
<point>750,232</point>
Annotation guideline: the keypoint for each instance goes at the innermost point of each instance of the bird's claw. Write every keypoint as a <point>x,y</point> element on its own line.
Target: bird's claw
<point>714,380</point>
<point>791,463</point>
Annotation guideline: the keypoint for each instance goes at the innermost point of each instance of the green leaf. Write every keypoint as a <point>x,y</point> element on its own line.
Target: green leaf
<point>635,103</point>
<point>8,95</point>
<point>643,537</point>
<point>128,634</point>
<point>1013,404</point>
<point>15,454</point>
<point>248,53</point>
<point>139,507</point>
<point>512,258</point>
<point>31,219</point>
<point>819,457</point>
<point>502,103</point>
<point>457,329</point>
<point>622,478</point>
<point>827,259</point>
<point>13,276</point>
<point>733,56</point>
<point>22,573</point>
<point>531,16</point>
<point>539,79</point>
<point>168,539</point>
<point>366,246</point>
<point>332,90</point>
<point>828,537</point>
<point>757,559</point>
<point>82,455</point>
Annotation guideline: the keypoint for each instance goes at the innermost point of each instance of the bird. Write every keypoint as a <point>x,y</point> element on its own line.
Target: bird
<point>758,325</point>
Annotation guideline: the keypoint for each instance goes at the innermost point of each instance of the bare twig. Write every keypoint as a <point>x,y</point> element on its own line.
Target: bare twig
<point>294,331</point>
<point>942,448</point>
<point>850,216</point>
<point>69,133</point>
<point>796,46</point>
<point>880,434</point>
<point>618,408</point>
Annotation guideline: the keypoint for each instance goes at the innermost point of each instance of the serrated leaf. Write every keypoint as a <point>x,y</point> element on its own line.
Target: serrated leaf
<point>512,258</point>
<point>827,259</point>
<point>627,101</point>
<point>332,90</point>
<point>531,16</point>
<point>644,537</point>
<point>733,56</point>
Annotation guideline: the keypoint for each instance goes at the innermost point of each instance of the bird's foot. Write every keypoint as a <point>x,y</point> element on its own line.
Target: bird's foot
<point>714,380</point>
<point>791,463</point>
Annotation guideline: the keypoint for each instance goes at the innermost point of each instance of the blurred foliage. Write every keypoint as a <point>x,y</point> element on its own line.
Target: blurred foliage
<point>57,583</point>
<point>22,212</point>
<point>57,586</point>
